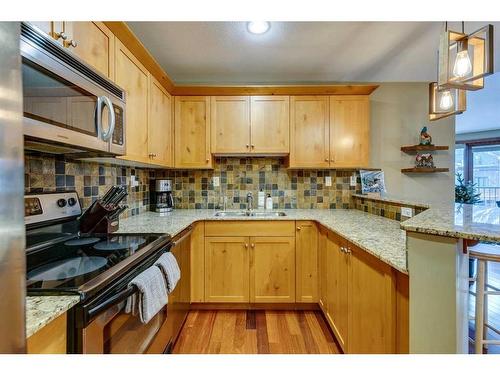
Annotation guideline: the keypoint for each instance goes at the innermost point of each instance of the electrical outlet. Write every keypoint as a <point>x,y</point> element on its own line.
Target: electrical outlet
<point>216,181</point>
<point>406,211</point>
<point>353,180</point>
<point>328,181</point>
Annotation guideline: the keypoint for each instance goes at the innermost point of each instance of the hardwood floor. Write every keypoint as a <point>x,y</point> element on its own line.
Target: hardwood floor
<point>255,332</point>
<point>493,307</point>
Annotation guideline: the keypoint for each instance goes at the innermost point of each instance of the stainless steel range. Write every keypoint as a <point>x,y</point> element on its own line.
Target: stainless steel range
<point>98,267</point>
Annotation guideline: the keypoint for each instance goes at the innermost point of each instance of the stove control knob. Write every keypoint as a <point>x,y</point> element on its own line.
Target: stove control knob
<point>61,202</point>
<point>71,201</point>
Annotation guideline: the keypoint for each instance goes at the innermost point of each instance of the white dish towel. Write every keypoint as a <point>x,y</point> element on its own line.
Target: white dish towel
<point>170,268</point>
<point>152,295</point>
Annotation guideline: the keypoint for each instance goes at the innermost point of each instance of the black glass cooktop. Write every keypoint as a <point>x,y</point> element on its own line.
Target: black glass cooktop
<point>74,261</point>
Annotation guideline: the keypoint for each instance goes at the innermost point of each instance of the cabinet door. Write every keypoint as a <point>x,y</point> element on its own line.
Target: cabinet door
<point>372,304</point>
<point>192,132</point>
<point>161,132</point>
<point>198,262</point>
<point>134,79</point>
<point>349,131</point>
<point>230,122</point>
<point>95,44</point>
<point>270,124</point>
<point>337,289</point>
<point>322,269</point>
<point>309,132</point>
<point>226,269</point>
<point>307,261</point>
<point>272,269</point>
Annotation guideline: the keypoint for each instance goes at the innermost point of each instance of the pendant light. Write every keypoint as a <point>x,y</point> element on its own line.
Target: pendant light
<point>465,59</point>
<point>445,102</point>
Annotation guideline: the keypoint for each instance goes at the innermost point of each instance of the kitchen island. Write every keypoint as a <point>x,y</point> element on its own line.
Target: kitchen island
<point>438,260</point>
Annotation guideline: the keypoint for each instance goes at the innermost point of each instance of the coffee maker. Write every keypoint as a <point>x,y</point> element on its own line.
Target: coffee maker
<point>161,196</point>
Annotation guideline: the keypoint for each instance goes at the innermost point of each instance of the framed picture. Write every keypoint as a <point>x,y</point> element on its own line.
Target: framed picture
<point>372,182</point>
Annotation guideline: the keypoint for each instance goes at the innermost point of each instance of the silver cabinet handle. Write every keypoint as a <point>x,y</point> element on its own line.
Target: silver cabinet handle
<point>253,245</point>
<point>246,246</point>
<point>62,35</point>
<point>299,228</point>
<point>71,43</point>
<point>104,100</point>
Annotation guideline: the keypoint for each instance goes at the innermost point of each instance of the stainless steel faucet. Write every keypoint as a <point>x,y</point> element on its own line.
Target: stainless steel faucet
<point>249,201</point>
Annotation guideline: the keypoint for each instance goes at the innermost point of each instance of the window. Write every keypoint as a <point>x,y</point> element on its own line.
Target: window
<point>479,161</point>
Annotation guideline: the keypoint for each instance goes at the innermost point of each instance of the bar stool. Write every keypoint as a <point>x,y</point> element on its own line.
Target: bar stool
<point>483,255</point>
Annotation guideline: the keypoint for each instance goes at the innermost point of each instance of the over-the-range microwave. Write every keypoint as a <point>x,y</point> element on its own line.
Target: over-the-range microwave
<point>69,108</point>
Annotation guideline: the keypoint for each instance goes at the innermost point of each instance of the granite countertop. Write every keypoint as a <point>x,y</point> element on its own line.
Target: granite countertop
<point>377,235</point>
<point>41,310</point>
<point>473,222</point>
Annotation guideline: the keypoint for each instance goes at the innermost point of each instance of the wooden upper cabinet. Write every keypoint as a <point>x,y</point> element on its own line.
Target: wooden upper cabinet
<point>192,132</point>
<point>309,132</point>
<point>95,44</point>
<point>349,131</point>
<point>230,122</point>
<point>307,261</point>
<point>131,75</point>
<point>337,279</point>
<point>160,137</point>
<point>272,269</point>
<point>226,269</point>
<point>372,292</point>
<point>270,124</point>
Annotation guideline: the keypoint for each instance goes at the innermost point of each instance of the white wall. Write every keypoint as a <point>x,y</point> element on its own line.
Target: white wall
<point>398,112</point>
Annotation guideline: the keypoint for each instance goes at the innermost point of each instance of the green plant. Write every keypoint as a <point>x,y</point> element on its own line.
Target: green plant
<point>465,192</point>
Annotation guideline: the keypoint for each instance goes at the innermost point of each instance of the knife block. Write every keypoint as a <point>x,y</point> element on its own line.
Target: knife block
<point>95,218</point>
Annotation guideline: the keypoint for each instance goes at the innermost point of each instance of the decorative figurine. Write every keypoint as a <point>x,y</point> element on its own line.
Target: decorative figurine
<point>425,138</point>
<point>424,161</point>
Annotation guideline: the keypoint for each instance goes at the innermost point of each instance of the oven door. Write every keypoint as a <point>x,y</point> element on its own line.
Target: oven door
<point>106,327</point>
<point>63,106</point>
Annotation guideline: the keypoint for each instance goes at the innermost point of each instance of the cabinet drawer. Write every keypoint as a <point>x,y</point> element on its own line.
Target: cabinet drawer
<point>250,228</point>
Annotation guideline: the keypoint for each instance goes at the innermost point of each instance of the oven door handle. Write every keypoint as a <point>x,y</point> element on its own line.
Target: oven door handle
<point>115,299</point>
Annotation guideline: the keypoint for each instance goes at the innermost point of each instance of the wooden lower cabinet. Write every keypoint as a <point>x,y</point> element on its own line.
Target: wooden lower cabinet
<point>272,269</point>
<point>322,268</point>
<point>358,297</point>
<point>51,339</point>
<point>306,270</point>
<point>372,304</point>
<point>337,299</point>
<point>227,269</point>
<point>198,262</point>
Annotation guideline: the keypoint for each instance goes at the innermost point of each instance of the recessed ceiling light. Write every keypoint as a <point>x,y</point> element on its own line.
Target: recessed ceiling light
<point>258,27</point>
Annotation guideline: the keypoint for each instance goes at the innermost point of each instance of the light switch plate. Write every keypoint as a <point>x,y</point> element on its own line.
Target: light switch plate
<point>407,211</point>
<point>328,181</point>
<point>353,180</point>
<point>216,181</point>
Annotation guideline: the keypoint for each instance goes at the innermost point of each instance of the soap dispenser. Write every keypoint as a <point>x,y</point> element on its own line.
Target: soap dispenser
<point>261,200</point>
<point>269,202</point>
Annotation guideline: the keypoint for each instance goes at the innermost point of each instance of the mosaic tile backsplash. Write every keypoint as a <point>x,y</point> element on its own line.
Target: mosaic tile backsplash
<point>90,180</point>
<point>238,176</point>
<point>194,188</point>
<point>389,210</point>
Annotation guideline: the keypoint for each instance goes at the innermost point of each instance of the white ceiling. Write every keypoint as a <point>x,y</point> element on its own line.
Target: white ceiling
<point>296,52</point>
<point>483,108</point>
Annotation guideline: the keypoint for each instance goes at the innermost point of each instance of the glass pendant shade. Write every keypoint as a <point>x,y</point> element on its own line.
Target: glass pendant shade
<point>463,66</point>
<point>445,102</point>
<point>464,60</point>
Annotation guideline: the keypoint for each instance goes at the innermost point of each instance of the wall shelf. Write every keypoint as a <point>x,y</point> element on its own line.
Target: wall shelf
<point>424,170</point>
<point>417,148</point>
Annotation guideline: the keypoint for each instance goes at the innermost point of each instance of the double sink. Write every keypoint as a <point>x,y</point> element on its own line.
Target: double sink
<point>249,214</point>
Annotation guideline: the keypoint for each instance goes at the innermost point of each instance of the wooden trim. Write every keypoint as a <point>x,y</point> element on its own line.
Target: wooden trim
<point>255,306</point>
<point>134,45</point>
<point>274,90</point>
<point>481,142</point>
<point>51,339</point>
